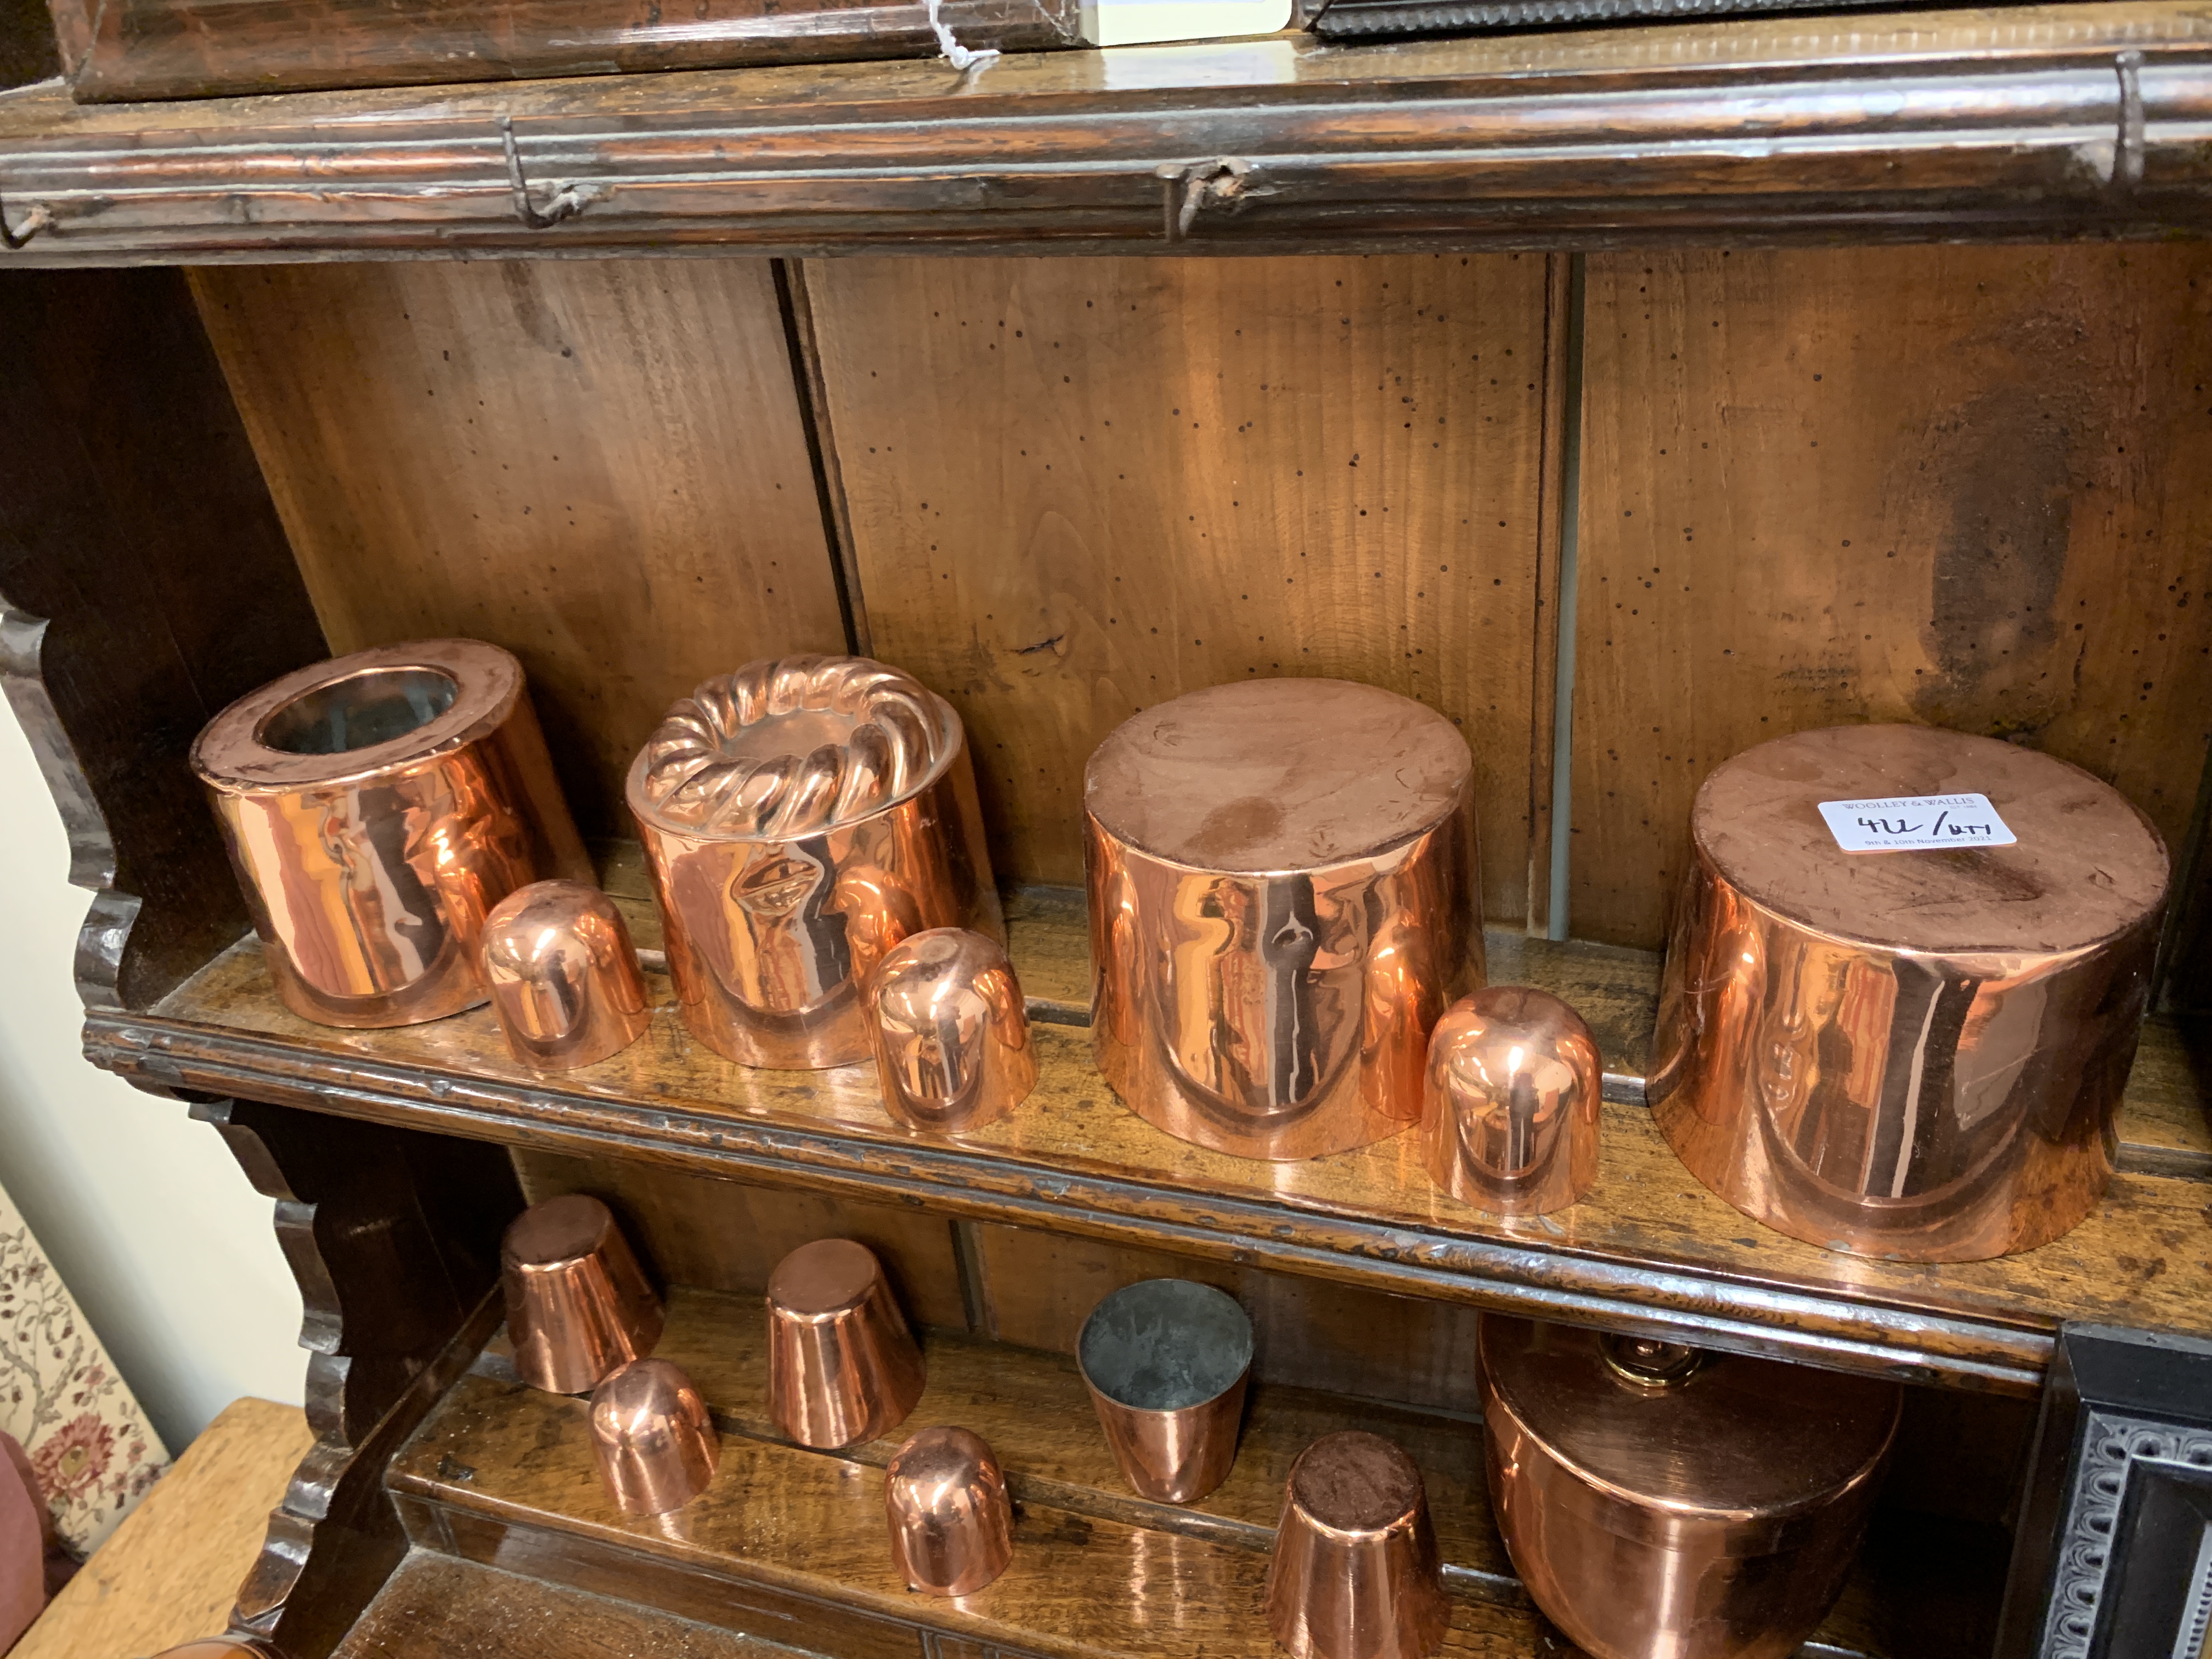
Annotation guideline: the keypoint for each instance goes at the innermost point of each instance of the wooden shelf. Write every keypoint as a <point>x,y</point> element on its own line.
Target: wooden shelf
<point>1649,1251</point>
<point>503,1472</point>
<point>2035,122</point>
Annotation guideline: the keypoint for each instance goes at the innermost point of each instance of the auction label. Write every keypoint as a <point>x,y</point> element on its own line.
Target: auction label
<point>1915,823</point>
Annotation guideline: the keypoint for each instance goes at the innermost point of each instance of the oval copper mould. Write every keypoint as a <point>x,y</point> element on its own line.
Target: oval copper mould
<point>1283,899</point>
<point>1917,1055</point>
<point>376,807</point>
<point>950,1030</point>
<point>656,1443</point>
<point>1659,1503</point>
<point>801,816</point>
<point>1510,1111</point>
<point>951,1521</point>
<point>563,975</point>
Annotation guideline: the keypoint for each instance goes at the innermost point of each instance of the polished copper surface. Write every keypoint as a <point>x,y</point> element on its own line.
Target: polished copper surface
<point>656,1444</point>
<point>800,818</point>
<point>1700,1511</point>
<point>376,807</point>
<point>1166,1361</point>
<point>1283,899</point>
<point>1912,1054</point>
<point>843,1366</point>
<point>578,1304</point>
<point>564,976</point>
<point>1355,1573</point>
<point>952,1523</point>
<point>951,1032</point>
<point>1509,1109</point>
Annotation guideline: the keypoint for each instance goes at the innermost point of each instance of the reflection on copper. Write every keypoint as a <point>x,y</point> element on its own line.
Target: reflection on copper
<point>952,1523</point>
<point>800,818</point>
<point>220,1647</point>
<point>656,1444</point>
<point>1510,1115</point>
<point>578,1304</point>
<point>1910,1054</point>
<point>951,1032</point>
<point>1355,1573</point>
<point>564,976</point>
<point>843,1366</point>
<point>1283,899</point>
<point>375,808</point>
<point>1166,1361</point>
<point>1660,1504</point>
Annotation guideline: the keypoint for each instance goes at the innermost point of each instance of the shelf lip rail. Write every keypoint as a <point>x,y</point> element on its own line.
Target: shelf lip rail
<point>2066,140</point>
<point>1841,1330</point>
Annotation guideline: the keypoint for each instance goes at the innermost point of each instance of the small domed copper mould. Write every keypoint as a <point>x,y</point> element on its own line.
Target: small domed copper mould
<point>656,1443</point>
<point>1355,1574</point>
<point>1661,1503</point>
<point>800,818</point>
<point>951,1522</point>
<point>564,976</point>
<point>1509,1109</point>
<point>1166,1361</point>
<point>951,1032</point>
<point>842,1367</point>
<point>578,1304</point>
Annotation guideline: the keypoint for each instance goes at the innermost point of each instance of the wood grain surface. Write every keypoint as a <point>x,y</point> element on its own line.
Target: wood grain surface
<point>1953,486</point>
<point>1649,1250</point>
<point>1078,489</point>
<point>171,1569</point>
<point>600,466</point>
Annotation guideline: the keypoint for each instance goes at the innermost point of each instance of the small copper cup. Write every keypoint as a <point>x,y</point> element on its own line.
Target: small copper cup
<point>1355,1573</point>
<point>843,1366</point>
<point>1166,1361</point>
<point>952,1525</point>
<point>563,975</point>
<point>578,1304</point>
<point>1510,1111</point>
<point>656,1445</point>
<point>951,1033</point>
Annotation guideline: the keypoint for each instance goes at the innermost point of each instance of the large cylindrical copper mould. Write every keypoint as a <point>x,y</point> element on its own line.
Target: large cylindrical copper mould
<point>951,1521</point>
<point>842,1367</point>
<point>950,1030</point>
<point>1510,1111</point>
<point>1355,1572</point>
<point>563,975</point>
<point>1283,899</point>
<point>376,807</point>
<point>656,1443</point>
<point>578,1304</point>
<point>1915,1054</point>
<point>1661,1503</point>
<point>800,818</point>
<point>1166,1361</point>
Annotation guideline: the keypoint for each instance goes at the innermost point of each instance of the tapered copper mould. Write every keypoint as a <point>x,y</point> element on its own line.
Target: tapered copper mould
<point>1355,1573</point>
<point>800,818</point>
<point>950,1030</point>
<point>376,807</point>
<point>1510,1111</point>
<point>843,1366</point>
<point>577,1305</point>
<point>656,1443</point>
<point>1283,900</point>
<point>951,1522</point>
<point>1661,1503</point>
<point>1166,1361</point>
<point>1916,1054</point>
<point>563,975</point>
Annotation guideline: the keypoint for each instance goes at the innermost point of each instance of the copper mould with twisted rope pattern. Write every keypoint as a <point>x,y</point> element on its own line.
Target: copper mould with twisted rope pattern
<point>1509,1112</point>
<point>376,807</point>
<point>800,818</point>
<point>1283,899</point>
<point>1917,1055</point>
